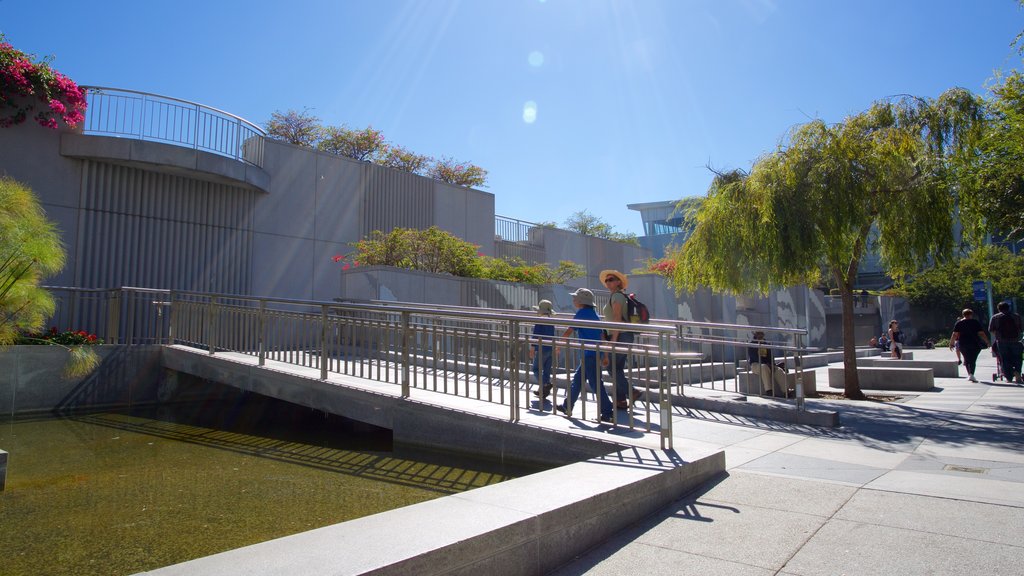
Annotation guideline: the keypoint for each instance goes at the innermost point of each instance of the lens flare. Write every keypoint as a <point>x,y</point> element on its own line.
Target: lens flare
<point>530,112</point>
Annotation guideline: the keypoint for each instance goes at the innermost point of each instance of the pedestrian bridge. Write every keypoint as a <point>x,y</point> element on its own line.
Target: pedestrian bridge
<point>450,378</point>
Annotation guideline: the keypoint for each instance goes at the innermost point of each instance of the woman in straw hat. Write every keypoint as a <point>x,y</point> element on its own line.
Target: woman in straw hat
<point>617,310</point>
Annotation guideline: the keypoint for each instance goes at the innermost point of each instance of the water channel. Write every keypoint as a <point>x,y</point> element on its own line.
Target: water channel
<point>120,492</point>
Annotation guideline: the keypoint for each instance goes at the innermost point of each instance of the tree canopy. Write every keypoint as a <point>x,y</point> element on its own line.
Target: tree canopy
<point>810,206</point>
<point>948,285</point>
<point>994,171</point>
<point>293,127</point>
<point>583,222</point>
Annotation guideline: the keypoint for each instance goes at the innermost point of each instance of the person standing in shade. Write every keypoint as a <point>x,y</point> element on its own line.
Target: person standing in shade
<point>968,339</point>
<point>617,310</point>
<point>1005,327</point>
<point>541,350</point>
<point>896,339</point>
<point>583,300</point>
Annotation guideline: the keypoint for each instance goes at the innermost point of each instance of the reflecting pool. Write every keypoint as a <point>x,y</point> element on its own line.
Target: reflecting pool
<point>121,492</point>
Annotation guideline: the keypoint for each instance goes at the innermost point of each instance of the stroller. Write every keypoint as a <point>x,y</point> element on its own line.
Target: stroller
<point>998,374</point>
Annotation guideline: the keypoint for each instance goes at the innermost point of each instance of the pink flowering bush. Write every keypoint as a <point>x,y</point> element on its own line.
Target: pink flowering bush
<point>33,88</point>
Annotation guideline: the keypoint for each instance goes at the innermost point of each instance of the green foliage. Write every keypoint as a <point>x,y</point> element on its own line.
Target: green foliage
<point>452,171</point>
<point>585,223</point>
<point>431,250</point>
<point>437,251</point>
<point>30,250</point>
<point>299,128</point>
<point>947,286</point>
<point>811,205</point>
<point>993,174</point>
<point>366,144</point>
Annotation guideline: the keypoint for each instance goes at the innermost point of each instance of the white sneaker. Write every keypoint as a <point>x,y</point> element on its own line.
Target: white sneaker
<point>972,378</point>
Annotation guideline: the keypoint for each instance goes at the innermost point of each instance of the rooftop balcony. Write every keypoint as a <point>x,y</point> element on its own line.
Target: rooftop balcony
<point>172,135</point>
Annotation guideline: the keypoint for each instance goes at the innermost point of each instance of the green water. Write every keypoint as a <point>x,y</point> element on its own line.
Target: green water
<point>122,492</point>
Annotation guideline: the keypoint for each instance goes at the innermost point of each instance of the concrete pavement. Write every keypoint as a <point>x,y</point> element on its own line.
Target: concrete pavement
<point>933,484</point>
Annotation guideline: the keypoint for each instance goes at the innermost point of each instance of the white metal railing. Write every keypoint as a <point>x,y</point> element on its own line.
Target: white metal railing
<point>471,353</point>
<point>144,116</point>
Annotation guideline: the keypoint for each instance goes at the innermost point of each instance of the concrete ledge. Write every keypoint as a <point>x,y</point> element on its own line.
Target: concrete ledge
<point>530,525</point>
<point>778,410</point>
<point>941,368</point>
<point>885,378</point>
<point>167,158</point>
<point>750,383</point>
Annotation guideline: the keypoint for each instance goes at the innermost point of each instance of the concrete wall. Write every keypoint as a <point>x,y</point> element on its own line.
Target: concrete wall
<point>32,380</point>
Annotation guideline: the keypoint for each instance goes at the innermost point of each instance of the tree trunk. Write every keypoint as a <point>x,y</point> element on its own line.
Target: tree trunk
<point>852,382</point>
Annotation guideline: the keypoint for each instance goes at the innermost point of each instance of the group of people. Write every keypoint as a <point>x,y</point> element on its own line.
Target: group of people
<point>969,338</point>
<point>542,352</point>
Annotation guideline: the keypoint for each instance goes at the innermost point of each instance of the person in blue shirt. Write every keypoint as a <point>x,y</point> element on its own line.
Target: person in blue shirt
<point>541,351</point>
<point>583,300</point>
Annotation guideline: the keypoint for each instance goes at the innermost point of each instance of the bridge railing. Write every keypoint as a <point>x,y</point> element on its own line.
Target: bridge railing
<point>471,353</point>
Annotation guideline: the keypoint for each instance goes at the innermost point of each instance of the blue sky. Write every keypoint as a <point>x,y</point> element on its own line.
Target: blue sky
<point>632,99</point>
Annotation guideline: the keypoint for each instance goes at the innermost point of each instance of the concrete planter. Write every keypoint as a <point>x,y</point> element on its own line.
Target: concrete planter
<point>32,380</point>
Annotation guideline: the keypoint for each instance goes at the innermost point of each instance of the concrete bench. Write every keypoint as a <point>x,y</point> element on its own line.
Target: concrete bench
<point>886,378</point>
<point>750,383</point>
<point>941,368</point>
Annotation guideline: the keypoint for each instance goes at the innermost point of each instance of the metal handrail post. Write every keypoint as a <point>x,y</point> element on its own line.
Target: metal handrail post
<point>199,119</point>
<point>798,367</point>
<point>210,309</point>
<point>665,402</point>
<point>142,119</point>
<point>261,326</point>
<point>323,342</point>
<point>513,361</point>
<point>173,318</point>
<point>130,324</point>
<point>406,368</point>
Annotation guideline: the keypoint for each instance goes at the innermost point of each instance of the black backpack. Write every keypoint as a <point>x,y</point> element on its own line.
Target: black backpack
<point>637,311</point>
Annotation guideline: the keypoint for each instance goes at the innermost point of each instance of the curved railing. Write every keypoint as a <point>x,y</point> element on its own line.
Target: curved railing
<point>132,114</point>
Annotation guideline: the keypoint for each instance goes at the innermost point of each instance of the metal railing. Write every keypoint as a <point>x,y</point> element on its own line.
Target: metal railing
<point>518,239</point>
<point>471,353</point>
<point>144,116</point>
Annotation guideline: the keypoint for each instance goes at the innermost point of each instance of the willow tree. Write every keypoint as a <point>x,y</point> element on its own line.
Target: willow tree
<point>809,207</point>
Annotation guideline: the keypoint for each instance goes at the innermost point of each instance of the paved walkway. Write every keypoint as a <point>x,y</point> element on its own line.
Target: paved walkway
<point>930,485</point>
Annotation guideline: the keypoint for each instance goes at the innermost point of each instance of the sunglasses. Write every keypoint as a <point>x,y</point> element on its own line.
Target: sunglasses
<point>610,279</point>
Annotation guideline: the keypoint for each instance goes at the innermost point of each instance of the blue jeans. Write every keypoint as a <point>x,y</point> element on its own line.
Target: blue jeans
<point>1009,357</point>
<point>542,365</point>
<point>589,367</point>
<point>617,368</point>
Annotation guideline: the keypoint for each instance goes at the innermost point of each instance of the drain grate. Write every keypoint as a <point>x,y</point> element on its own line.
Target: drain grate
<point>953,468</point>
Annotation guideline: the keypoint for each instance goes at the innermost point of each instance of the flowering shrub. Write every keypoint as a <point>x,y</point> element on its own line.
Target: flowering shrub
<point>65,338</point>
<point>664,267</point>
<point>434,250</point>
<point>451,171</point>
<point>27,87</point>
